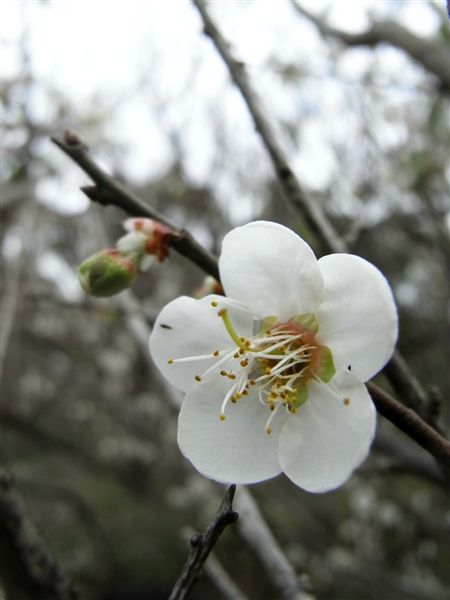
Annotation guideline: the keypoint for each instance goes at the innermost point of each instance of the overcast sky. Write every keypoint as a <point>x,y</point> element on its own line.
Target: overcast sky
<point>146,64</point>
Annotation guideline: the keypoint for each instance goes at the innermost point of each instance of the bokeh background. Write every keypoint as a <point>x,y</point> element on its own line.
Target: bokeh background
<point>87,427</point>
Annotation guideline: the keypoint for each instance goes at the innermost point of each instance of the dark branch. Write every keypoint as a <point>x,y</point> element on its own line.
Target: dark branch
<point>202,544</point>
<point>27,569</point>
<point>290,186</point>
<point>434,57</point>
<point>411,424</point>
<point>108,191</point>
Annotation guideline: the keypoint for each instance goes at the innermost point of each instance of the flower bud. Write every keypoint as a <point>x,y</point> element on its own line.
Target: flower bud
<point>147,236</point>
<point>107,273</point>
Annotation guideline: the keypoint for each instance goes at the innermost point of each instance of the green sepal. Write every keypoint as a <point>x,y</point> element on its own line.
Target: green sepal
<point>307,321</point>
<point>326,369</point>
<point>301,395</point>
<point>107,273</point>
<point>267,324</point>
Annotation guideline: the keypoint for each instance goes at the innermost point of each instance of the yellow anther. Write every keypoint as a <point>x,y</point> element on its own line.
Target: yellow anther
<point>170,361</point>
<point>269,430</point>
<point>272,407</point>
<point>233,399</point>
<point>222,417</point>
<point>346,401</point>
<point>238,395</point>
<point>244,363</point>
<point>197,378</point>
<point>214,303</point>
<point>231,376</point>
<point>241,351</point>
<point>216,353</point>
<point>236,355</point>
<point>244,393</point>
<point>252,382</point>
<point>223,373</point>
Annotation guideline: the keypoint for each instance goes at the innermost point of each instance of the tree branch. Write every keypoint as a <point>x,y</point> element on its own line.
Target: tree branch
<point>431,56</point>
<point>27,569</point>
<point>411,424</point>
<point>202,544</point>
<point>108,191</point>
<point>290,186</point>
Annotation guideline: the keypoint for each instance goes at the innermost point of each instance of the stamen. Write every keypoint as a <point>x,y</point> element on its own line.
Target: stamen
<point>223,314</point>
<point>268,428</point>
<point>198,378</point>
<point>214,303</point>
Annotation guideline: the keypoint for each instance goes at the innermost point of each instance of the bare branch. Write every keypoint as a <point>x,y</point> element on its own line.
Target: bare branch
<point>27,569</point>
<point>411,424</point>
<point>434,57</point>
<point>202,544</point>
<point>290,186</point>
<point>109,191</point>
<point>219,577</point>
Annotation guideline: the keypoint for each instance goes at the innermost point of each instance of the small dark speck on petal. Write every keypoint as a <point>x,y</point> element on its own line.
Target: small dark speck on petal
<point>164,326</point>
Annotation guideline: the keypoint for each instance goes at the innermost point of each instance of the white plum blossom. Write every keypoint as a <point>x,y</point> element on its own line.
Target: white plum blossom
<point>273,371</point>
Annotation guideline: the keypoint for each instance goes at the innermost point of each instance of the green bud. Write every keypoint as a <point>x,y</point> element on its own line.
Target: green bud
<point>107,273</point>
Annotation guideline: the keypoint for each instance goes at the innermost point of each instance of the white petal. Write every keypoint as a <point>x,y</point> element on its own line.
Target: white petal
<point>271,270</point>
<point>132,242</point>
<point>237,450</point>
<point>327,439</point>
<point>358,318</point>
<point>147,261</point>
<point>187,327</point>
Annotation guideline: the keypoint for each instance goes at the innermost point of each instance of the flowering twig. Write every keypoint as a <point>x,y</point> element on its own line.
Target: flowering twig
<point>397,371</point>
<point>27,568</point>
<point>109,191</point>
<point>202,544</point>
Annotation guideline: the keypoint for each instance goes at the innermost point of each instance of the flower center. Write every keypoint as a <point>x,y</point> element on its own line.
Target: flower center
<point>276,363</point>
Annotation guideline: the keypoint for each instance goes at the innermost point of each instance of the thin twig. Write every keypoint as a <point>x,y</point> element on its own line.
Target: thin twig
<point>219,577</point>
<point>410,423</point>
<point>202,544</point>
<point>109,191</point>
<point>290,186</point>
<point>398,373</point>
